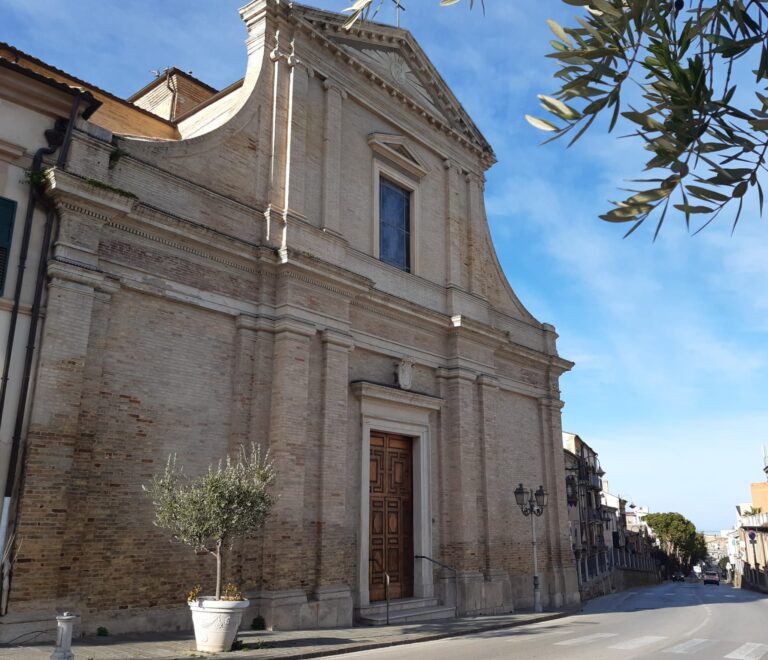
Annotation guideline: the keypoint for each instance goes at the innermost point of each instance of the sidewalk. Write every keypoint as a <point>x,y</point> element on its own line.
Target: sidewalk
<point>284,645</point>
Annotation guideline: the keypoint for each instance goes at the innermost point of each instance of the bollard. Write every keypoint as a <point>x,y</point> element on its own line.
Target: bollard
<point>63,650</point>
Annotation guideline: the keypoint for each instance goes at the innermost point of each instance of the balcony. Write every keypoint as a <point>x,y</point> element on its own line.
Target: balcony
<point>594,482</point>
<point>756,520</point>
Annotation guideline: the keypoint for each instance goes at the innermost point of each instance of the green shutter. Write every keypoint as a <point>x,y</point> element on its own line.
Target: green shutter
<point>7,214</point>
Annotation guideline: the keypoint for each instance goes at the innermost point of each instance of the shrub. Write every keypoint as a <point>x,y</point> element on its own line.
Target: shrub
<point>232,500</point>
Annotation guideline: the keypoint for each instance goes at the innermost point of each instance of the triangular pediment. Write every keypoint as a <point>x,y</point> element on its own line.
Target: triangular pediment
<point>394,56</point>
<point>393,147</point>
<point>391,65</point>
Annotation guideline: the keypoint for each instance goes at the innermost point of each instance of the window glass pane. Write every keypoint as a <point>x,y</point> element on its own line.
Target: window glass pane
<point>392,206</point>
<point>394,224</point>
<point>390,250</point>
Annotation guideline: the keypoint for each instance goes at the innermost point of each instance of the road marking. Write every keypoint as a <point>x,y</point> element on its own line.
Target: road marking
<point>636,643</point>
<point>730,596</point>
<point>748,652</point>
<point>688,647</point>
<point>670,593</point>
<point>587,639</point>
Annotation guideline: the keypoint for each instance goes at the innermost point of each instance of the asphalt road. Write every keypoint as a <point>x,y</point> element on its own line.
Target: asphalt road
<point>664,621</point>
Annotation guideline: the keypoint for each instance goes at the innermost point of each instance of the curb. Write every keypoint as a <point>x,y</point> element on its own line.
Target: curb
<point>355,648</point>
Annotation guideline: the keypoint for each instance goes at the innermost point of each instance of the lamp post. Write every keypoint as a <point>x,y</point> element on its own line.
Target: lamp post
<point>532,504</point>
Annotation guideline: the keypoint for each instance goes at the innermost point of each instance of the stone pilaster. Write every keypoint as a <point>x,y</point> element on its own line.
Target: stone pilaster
<point>460,471</point>
<point>453,235</point>
<point>295,175</point>
<point>244,358</point>
<point>278,164</point>
<point>54,433</point>
<point>286,555</point>
<point>74,574</point>
<point>561,563</point>
<point>261,401</point>
<point>257,334</point>
<point>474,243</point>
<point>488,399</point>
<point>332,123</point>
<point>287,176</point>
<point>335,548</point>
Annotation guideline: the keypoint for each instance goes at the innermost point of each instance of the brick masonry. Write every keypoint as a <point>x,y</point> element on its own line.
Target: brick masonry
<point>206,313</point>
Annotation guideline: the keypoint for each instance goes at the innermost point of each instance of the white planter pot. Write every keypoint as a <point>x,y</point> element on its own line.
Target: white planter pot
<point>216,623</point>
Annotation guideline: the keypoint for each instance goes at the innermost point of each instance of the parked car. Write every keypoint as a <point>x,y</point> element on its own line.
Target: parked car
<point>711,577</point>
<point>677,576</point>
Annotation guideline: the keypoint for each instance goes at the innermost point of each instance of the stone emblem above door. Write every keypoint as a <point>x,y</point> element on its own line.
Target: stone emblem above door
<point>404,374</point>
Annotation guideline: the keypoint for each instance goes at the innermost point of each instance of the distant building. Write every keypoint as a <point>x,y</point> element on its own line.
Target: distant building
<point>583,486</point>
<point>635,519</point>
<point>717,546</point>
<point>753,538</point>
<point>608,555</point>
<point>747,542</point>
<point>759,497</point>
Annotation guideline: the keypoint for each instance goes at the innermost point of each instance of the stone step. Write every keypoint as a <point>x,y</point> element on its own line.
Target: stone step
<point>411,615</point>
<point>396,604</point>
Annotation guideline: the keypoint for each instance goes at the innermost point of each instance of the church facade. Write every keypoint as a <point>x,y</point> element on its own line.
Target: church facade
<point>301,260</point>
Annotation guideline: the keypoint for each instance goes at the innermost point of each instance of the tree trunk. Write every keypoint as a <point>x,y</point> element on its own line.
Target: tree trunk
<point>218,569</point>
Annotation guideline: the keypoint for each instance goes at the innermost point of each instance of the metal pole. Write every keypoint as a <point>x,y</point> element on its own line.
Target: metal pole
<point>536,591</point>
<point>386,589</point>
<point>754,561</point>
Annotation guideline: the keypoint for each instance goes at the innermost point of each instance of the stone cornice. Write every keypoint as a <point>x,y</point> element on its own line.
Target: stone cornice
<point>458,373</point>
<point>481,149</point>
<point>375,392</point>
<point>180,244</point>
<point>552,403</point>
<point>323,274</point>
<point>294,326</point>
<point>75,192</point>
<point>399,309</point>
<point>23,86</point>
<point>82,275</point>
<point>341,340</point>
<point>10,151</point>
<point>473,375</point>
<point>6,305</point>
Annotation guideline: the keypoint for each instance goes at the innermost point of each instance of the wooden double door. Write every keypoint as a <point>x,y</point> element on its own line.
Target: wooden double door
<point>391,516</point>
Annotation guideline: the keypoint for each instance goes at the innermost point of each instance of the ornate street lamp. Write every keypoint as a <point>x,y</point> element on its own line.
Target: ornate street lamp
<point>532,503</point>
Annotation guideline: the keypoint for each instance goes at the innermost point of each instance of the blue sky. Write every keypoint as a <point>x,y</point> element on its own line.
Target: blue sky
<point>670,338</point>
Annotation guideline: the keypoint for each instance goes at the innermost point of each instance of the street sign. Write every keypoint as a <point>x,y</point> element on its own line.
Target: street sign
<point>752,536</point>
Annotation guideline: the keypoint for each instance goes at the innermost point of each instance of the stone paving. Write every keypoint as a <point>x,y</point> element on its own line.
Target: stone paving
<point>278,644</point>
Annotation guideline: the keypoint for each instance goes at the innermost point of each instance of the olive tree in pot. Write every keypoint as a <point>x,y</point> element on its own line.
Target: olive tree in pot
<point>232,500</point>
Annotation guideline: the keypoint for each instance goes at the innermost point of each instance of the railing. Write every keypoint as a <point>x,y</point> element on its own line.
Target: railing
<point>455,579</point>
<point>755,520</point>
<point>386,583</point>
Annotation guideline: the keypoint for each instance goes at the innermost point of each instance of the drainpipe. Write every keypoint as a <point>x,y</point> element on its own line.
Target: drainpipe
<point>60,136</point>
<point>173,88</point>
<point>55,138</point>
